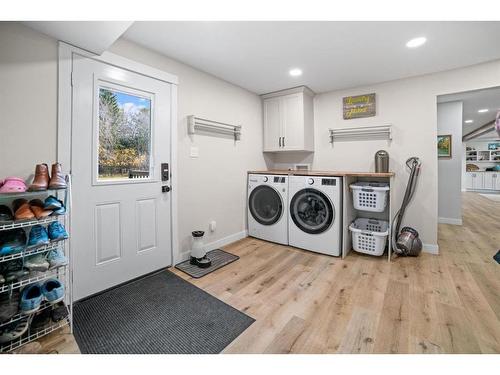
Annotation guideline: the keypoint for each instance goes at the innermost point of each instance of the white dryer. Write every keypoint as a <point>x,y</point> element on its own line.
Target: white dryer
<point>267,207</point>
<point>315,213</point>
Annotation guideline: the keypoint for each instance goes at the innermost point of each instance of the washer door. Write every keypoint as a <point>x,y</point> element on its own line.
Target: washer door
<point>265,205</point>
<point>312,211</point>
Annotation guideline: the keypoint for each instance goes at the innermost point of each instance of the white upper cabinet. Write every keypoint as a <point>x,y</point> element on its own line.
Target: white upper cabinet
<point>289,120</point>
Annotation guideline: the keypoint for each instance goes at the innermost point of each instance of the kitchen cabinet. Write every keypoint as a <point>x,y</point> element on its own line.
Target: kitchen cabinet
<point>482,180</point>
<point>289,120</point>
<point>474,180</point>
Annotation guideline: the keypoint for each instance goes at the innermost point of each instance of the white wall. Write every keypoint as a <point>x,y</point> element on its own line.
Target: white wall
<point>28,100</point>
<point>410,105</point>
<point>211,187</point>
<point>449,121</point>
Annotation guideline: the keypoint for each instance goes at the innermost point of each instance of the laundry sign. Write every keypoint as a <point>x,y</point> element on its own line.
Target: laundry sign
<point>359,106</point>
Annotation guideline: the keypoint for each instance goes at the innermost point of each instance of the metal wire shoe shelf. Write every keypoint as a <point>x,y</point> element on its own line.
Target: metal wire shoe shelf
<point>62,273</point>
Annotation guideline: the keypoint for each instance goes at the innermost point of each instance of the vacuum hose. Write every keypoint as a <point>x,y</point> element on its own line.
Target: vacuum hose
<point>414,164</point>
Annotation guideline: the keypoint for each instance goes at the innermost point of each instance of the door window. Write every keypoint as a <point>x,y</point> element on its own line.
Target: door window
<point>124,136</point>
<point>312,211</point>
<point>265,205</point>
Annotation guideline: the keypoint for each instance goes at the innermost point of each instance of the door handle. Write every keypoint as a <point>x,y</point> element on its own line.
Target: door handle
<point>165,189</point>
<point>280,141</point>
<point>283,141</point>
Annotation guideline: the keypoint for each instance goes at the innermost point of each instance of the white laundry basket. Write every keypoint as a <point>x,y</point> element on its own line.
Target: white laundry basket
<point>370,196</point>
<point>369,236</point>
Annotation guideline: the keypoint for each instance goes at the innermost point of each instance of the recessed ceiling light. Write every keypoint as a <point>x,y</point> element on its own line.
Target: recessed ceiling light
<point>483,110</point>
<point>295,72</point>
<point>469,121</point>
<point>416,42</point>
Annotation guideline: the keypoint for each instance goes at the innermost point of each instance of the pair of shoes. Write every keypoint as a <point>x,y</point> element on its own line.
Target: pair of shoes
<point>43,318</point>
<point>41,236</point>
<point>12,241</point>
<point>6,216</point>
<point>12,185</point>
<point>43,181</point>
<point>14,330</point>
<point>32,296</point>
<point>41,263</point>
<point>55,205</point>
<point>26,211</point>
<point>9,303</point>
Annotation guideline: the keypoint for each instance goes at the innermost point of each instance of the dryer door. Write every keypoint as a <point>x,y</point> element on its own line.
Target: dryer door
<point>265,205</point>
<point>312,211</point>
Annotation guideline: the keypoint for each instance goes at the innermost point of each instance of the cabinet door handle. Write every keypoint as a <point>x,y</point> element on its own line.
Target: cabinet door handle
<point>283,141</point>
<point>280,141</point>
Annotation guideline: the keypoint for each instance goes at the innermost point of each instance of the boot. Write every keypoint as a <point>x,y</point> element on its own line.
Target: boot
<point>57,180</point>
<point>41,180</point>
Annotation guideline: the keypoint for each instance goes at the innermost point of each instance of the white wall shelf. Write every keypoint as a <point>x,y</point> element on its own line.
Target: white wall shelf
<point>198,123</point>
<point>361,133</point>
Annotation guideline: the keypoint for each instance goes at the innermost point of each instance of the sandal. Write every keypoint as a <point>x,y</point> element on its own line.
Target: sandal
<point>14,330</point>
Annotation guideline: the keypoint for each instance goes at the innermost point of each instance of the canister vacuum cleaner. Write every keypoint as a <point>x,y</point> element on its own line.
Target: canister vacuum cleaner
<point>407,242</point>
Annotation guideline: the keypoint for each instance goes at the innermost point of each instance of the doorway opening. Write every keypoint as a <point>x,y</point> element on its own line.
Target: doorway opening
<point>469,165</point>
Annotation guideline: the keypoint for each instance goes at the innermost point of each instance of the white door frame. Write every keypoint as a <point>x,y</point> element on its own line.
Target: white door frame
<point>64,116</point>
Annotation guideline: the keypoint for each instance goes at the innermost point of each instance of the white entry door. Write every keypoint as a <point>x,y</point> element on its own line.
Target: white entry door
<point>121,217</point>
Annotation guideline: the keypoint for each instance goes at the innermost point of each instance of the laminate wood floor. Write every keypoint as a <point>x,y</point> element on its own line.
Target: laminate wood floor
<point>309,303</point>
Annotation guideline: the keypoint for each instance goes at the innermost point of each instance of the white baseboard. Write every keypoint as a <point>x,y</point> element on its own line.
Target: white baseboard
<point>449,220</point>
<point>430,248</point>
<point>217,244</point>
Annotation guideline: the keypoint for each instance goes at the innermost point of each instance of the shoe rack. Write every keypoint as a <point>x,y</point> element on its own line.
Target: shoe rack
<point>62,273</point>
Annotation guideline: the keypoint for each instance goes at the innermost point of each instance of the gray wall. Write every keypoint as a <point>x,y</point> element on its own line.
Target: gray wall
<point>449,120</point>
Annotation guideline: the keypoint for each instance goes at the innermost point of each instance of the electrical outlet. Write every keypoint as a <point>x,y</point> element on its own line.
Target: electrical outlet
<point>212,225</point>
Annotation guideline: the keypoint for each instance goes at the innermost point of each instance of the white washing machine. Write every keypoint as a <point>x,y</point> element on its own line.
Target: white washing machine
<point>267,207</point>
<point>315,213</point>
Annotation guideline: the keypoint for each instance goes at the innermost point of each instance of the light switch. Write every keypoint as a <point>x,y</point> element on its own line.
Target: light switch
<point>193,152</point>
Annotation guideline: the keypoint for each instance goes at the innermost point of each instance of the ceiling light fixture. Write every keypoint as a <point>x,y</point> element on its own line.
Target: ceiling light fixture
<point>469,121</point>
<point>416,42</point>
<point>483,110</point>
<point>295,72</point>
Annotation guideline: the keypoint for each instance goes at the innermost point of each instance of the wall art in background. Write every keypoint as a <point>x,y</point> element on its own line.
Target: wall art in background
<point>444,146</point>
<point>359,106</point>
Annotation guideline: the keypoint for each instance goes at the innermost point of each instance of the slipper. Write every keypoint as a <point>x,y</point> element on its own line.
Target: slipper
<point>13,185</point>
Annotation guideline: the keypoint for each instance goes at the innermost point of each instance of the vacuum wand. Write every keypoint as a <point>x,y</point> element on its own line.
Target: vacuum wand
<point>407,241</point>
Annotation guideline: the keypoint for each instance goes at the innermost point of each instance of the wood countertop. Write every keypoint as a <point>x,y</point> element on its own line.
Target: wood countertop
<point>325,173</point>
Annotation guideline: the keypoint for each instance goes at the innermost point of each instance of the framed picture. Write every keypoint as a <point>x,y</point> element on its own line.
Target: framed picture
<point>494,146</point>
<point>444,146</point>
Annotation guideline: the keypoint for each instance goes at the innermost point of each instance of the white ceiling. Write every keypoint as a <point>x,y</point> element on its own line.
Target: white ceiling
<point>332,55</point>
<point>93,36</point>
<point>474,101</point>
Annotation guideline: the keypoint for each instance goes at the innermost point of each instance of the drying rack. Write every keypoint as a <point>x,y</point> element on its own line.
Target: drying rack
<point>361,132</point>
<point>198,123</point>
<point>63,273</point>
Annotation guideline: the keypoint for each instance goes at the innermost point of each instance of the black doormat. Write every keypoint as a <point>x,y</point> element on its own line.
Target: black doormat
<point>219,259</point>
<point>497,256</point>
<point>158,314</point>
